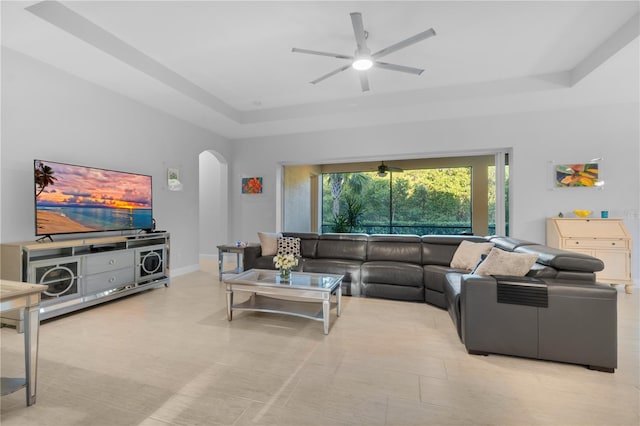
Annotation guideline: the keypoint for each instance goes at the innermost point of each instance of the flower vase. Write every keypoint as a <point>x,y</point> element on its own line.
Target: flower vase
<point>285,273</point>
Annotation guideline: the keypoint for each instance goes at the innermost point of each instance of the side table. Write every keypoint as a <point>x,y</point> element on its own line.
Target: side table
<point>231,248</point>
<point>25,297</point>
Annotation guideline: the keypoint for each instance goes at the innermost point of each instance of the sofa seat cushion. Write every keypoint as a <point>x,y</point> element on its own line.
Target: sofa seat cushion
<point>435,276</point>
<point>394,292</point>
<point>264,262</point>
<point>393,273</point>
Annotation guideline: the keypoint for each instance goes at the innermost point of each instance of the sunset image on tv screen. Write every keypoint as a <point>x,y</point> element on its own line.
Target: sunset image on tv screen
<point>73,198</point>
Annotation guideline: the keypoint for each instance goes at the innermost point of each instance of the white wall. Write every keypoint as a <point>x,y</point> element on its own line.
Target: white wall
<point>52,115</point>
<point>213,204</point>
<point>536,139</point>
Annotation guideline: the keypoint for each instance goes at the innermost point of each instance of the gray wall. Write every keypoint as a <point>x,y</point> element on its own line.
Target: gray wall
<point>52,115</point>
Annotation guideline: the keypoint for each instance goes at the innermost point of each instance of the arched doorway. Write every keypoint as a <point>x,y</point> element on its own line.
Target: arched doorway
<point>213,202</point>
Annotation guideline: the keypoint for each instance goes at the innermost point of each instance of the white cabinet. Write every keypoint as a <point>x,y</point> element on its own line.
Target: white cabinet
<point>606,239</point>
<point>81,273</point>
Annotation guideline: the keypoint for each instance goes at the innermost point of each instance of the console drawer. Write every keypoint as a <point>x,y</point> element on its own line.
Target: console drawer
<point>108,280</point>
<point>109,261</point>
<point>587,243</point>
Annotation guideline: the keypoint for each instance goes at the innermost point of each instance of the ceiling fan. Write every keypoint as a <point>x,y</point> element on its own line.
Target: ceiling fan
<point>383,169</point>
<point>362,59</point>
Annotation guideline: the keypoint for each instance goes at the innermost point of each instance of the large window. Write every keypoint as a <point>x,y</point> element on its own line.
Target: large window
<point>419,201</point>
<point>446,195</point>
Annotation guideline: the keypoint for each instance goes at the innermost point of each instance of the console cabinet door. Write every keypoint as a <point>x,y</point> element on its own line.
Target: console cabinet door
<point>61,276</point>
<point>616,265</point>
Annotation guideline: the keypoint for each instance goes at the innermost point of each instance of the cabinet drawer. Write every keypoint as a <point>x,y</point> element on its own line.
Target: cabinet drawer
<point>595,243</point>
<point>110,261</point>
<point>107,280</point>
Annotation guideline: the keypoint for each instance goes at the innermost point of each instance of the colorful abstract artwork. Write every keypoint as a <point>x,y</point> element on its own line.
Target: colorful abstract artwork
<point>252,185</point>
<point>576,175</point>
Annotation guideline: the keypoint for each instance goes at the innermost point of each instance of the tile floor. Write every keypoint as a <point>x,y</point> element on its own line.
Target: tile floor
<point>169,357</point>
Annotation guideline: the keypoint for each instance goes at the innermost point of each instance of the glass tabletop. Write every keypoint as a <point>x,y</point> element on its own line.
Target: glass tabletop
<point>304,280</point>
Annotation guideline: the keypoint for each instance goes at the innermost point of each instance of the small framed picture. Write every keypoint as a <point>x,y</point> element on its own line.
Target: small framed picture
<point>252,185</point>
<point>173,179</point>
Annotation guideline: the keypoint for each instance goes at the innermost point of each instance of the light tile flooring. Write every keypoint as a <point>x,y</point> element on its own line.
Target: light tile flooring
<point>169,357</point>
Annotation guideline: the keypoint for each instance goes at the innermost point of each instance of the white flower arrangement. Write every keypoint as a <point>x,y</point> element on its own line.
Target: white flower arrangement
<point>285,261</point>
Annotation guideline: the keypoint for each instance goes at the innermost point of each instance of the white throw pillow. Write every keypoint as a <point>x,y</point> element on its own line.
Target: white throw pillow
<point>468,254</point>
<point>500,262</point>
<point>269,242</point>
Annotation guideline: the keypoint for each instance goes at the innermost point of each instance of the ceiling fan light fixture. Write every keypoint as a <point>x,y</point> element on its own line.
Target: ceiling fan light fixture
<point>362,63</point>
<point>382,174</point>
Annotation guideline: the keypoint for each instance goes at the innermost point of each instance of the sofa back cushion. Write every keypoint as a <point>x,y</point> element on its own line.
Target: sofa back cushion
<point>342,246</point>
<point>439,250</point>
<point>563,259</point>
<point>394,248</point>
<point>509,243</point>
<point>308,243</point>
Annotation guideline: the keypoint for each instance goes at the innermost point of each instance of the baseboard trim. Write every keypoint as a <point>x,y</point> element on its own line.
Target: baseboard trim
<point>184,270</point>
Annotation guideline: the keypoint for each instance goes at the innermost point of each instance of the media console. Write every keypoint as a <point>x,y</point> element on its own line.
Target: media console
<point>86,272</point>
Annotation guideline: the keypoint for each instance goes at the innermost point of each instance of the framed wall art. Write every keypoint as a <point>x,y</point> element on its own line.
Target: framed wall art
<point>252,185</point>
<point>575,175</point>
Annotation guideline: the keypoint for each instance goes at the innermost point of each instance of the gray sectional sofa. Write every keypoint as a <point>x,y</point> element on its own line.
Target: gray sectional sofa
<point>556,312</point>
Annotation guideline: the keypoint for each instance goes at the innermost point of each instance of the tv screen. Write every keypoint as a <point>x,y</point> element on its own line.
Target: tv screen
<point>72,199</point>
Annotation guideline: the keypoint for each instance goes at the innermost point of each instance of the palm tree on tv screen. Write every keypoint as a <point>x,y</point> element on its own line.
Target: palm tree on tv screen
<point>44,177</point>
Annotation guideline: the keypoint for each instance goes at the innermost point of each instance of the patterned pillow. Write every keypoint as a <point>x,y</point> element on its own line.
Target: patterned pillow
<point>289,245</point>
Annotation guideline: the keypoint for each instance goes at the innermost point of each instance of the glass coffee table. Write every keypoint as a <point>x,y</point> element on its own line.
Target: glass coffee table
<point>299,295</point>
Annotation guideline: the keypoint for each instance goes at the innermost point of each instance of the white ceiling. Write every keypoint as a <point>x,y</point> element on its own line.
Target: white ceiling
<point>228,66</point>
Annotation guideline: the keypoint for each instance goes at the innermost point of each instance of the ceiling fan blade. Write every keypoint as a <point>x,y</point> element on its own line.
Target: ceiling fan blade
<point>395,169</point>
<point>364,81</point>
<point>334,72</point>
<point>401,68</point>
<point>404,43</point>
<point>315,52</point>
<point>358,30</point>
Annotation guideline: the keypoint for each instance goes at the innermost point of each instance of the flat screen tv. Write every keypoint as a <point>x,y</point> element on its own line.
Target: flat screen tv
<point>71,199</point>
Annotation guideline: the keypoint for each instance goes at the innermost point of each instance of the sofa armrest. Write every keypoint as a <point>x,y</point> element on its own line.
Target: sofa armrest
<point>485,323</point>
<point>251,254</point>
<point>567,321</point>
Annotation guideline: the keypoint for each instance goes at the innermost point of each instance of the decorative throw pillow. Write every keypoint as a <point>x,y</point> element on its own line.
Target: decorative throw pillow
<point>269,242</point>
<point>289,245</point>
<point>500,262</point>
<point>468,254</point>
